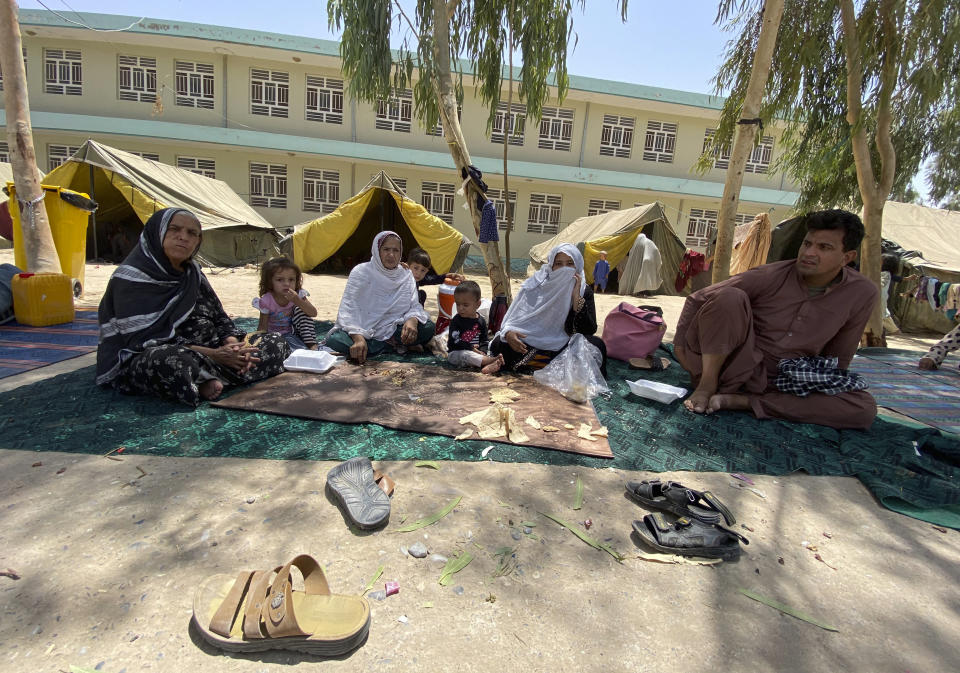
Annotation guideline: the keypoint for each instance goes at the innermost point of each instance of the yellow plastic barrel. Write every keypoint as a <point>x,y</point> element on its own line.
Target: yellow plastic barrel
<point>68,224</point>
<point>41,299</point>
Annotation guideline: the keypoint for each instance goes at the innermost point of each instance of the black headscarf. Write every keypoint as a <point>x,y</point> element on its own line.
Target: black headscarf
<point>146,298</point>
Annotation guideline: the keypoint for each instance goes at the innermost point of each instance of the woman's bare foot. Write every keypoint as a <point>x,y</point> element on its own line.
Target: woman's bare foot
<point>699,401</point>
<point>210,389</point>
<point>732,401</point>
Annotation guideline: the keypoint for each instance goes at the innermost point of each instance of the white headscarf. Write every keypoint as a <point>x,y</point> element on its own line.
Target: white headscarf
<point>541,306</point>
<point>377,299</point>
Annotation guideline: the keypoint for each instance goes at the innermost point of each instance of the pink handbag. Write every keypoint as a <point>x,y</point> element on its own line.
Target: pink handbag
<point>633,332</point>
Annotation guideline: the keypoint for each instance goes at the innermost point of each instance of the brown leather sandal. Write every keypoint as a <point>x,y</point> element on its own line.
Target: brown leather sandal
<point>257,611</point>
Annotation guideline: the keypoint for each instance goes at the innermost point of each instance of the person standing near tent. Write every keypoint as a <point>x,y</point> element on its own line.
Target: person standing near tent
<point>601,271</point>
<point>163,330</point>
<point>733,337</point>
<point>642,270</point>
<point>380,306</point>
<point>551,306</point>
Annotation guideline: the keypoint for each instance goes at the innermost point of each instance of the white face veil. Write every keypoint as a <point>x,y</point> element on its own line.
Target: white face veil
<point>377,299</point>
<point>541,306</point>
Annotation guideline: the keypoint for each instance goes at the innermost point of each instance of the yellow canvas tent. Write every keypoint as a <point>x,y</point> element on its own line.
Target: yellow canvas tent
<point>616,232</point>
<point>345,234</point>
<point>129,189</point>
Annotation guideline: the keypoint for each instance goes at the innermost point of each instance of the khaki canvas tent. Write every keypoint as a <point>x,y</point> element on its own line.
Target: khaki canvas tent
<point>926,240</point>
<point>342,239</point>
<point>616,232</point>
<point>130,189</point>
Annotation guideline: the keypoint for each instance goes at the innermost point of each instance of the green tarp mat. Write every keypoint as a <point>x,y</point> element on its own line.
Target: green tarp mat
<point>68,413</point>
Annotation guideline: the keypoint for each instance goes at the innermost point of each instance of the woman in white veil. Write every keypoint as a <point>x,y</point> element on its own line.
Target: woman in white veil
<point>551,306</point>
<point>380,306</point>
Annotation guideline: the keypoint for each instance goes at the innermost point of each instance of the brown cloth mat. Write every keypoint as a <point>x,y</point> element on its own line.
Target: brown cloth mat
<point>420,398</point>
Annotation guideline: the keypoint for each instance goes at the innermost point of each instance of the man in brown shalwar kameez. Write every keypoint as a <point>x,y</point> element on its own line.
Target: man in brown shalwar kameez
<point>732,335</point>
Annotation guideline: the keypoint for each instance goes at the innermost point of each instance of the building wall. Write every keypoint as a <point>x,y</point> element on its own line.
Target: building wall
<point>230,66</point>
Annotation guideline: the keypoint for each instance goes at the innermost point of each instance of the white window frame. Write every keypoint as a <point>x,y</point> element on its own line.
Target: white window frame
<point>268,185</point>
<point>515,127</point>
<point>543,216</point>
<point>324,99</point>
<point>269,93</point>
<point>742,218</point>
<point>321,190</point>
<point>721,155</point>
<point>146,155</point>
<point>438,129</point>
<point>57,155</point>
<point>556,129</point>
<point>601,206</point>
<point>63,72</point>
<point>4,152</point>
<point>760,156</point>
<point>395,113</point>
<point>701,224</point>
<point>437,198</point>
<point>198,165</point>
<point>137,78</point>
<point>195,84</point>
<point>400,182</point>
<point>660,141</point>
<point>616,136</point>
<point>496,195</point>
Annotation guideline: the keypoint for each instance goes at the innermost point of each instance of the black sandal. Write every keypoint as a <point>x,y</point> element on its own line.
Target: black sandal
<point>689,537</point>
<point>676,498</point>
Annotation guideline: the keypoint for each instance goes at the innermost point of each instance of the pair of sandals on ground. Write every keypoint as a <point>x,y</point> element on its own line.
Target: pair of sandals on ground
<point>256,611</point>
<point>697,531</point>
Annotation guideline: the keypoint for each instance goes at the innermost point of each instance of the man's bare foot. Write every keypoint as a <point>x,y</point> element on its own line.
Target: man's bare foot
<point>732,401</point>
<point>415,348</point>
<point>699,401</point>
<point>210,389</point>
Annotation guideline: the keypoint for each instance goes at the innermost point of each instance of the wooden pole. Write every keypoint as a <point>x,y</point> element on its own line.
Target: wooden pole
<point>41,253</point>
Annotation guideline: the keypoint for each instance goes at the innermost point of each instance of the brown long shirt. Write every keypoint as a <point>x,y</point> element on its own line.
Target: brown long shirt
<point>788,322</point>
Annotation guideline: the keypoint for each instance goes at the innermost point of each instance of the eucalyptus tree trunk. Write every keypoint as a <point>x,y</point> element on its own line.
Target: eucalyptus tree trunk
<point>38,243</point>
<point>508,212</point>
<point>873,191</point>
<point>745,139</point>
<point>446,94</point>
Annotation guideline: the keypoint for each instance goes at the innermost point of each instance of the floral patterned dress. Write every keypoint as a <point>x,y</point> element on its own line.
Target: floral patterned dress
<point>175,372</point>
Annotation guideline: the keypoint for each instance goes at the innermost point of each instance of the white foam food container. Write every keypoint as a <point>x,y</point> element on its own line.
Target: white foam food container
<point>653,390</point>
<point>303,360</point>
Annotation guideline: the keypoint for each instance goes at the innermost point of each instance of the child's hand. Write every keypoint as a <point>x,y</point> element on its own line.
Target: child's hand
<point>292,295</point>
<point>459,277</point>
<point>405,265</point>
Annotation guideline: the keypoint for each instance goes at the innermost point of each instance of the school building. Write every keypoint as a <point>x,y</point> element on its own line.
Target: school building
<point>269,114</point>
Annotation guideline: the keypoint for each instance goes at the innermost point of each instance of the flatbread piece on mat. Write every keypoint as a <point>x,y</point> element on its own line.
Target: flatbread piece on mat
<point>418,398</point>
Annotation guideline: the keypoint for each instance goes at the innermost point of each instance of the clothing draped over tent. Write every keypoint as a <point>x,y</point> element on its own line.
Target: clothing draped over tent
<point>146,299</point>
<point>751,243</point>
<point>642,270</point>
<point>377,299</point>
<point>543,302</point>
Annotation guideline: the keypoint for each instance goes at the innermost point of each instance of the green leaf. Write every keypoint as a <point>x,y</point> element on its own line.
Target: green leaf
<point>432,464</point>
<point>432,519</point>
<point>373,580</point>
<point>454,565</point>
<point>528,524</point>
<point>596,544</point>
<point>578,499</point>
<point>787,610</point>
<point>78,669</point>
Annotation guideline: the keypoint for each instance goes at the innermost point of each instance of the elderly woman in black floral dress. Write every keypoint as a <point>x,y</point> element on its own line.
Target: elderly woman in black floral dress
<point>164,332</point>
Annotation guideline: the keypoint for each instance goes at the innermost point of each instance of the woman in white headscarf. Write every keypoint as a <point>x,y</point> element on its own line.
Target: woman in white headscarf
<point>642,270</point>
<point>551,306</point>
<point>380,306</point>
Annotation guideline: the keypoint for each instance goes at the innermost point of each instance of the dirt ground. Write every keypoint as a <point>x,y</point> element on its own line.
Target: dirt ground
<point>108,560</point>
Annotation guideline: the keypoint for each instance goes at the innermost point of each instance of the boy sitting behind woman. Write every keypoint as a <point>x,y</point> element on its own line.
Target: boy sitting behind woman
<point>418,261</point>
